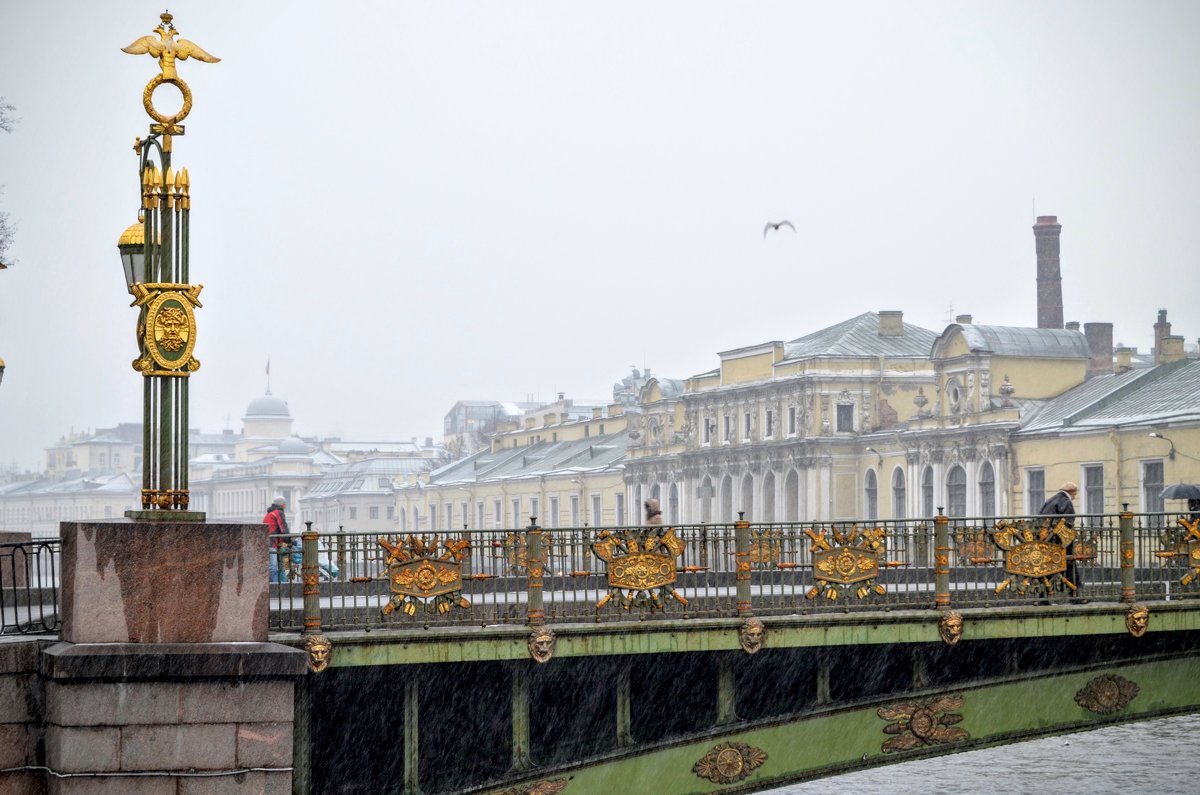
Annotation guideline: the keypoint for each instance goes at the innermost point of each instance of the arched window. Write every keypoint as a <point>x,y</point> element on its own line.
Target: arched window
<point>747,506</point>
<point>899,502</point>
<point>927,491</point>
<point>768,497</point>
<point>726,499</point>
<point>706,499</point>
<point>791,494</point>
<point>872,495</point>
<point>987,490</point>
<point>956,492</point>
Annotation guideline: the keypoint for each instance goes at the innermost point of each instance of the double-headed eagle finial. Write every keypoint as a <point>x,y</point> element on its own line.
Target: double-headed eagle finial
<point>166,49</point>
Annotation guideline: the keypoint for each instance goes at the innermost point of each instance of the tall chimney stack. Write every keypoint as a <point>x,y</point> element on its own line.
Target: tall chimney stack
<point>1100,342</point>
<point>1162,330</point>
<point>1046,233</point>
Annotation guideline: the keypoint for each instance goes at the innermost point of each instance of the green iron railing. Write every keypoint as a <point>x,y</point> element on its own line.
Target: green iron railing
<point>537,575</point>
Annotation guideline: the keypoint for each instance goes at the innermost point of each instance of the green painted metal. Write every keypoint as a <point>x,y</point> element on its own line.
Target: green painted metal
<point>446,645</point>
<point>302,740</point>
<point>1128,582</point>
<point>521,759</point>
<point>842,739</point>
<point>624,707</point>
<point>726,690</point>
<point>412,749</point>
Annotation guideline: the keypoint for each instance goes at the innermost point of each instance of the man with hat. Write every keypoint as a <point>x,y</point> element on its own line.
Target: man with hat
<point>276,528</point>
<point>1062,505</point>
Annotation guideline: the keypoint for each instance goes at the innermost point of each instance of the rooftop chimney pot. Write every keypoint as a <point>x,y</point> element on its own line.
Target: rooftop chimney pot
<point>891,323</point>
<point>963,320</point>
<point>1072,325</point>
<point>1046,234</point>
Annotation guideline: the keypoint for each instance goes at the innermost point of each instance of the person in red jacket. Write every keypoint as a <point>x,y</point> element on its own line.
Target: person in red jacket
<point>277,526</point>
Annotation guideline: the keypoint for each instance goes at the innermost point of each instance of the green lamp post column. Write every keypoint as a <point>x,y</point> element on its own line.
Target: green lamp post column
<point>154,257</point>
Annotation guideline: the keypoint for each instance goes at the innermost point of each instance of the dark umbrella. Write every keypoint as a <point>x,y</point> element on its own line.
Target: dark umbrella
<point>1181,491</point>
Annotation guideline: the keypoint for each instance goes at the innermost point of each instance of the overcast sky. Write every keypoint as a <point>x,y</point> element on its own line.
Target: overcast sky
<point>408,204</point>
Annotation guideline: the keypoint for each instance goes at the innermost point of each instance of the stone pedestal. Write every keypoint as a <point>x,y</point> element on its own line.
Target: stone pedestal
<point>140,582</point>
<point>164,681</point>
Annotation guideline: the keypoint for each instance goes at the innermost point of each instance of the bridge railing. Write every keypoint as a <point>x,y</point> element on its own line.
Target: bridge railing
<point>29,577</point>
<point>482,577</point>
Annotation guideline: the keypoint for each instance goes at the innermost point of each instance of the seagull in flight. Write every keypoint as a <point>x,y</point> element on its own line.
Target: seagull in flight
<point>775,227</point>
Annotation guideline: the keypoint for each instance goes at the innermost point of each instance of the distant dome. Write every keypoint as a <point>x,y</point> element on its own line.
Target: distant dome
<point>267,406</point>
<point>292,445</point>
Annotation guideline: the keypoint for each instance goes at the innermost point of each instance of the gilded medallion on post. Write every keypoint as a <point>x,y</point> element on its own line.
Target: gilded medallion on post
<point>641,566</point>
<point>843,558</point>
<point>1035,558</point>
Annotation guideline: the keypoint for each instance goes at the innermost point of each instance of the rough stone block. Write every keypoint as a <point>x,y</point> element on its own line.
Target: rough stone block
<point>198,746</point>
<point>163,582</point>
<point>82,750</point>
<point>12,560</point>
<point>18,698</point>
<point>20,656</point>
<point>115,785</point>
<point>176,661</point>
<point>112,703</point>
<point>264,783</point>
<point>264,745</point>
<point>18,745</point>
<point>237,702</point>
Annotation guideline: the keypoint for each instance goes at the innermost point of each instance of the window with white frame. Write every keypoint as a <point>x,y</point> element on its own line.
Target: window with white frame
<point>595,518</point>
<point>553,512</point>
<point>373,512</point>
<point>533,506</point>
<point>516,512</point>
<point>987,490</point>
<point>1152,486</point>
<point>845,417</point>
<point>620,500</point>
<point>497,514</point>
<point>899,508</point>
<point>1035,490</point>
<point>574,510</point>
<point>433,516</point>
<point>927,492</point>
<point>1093,488</point>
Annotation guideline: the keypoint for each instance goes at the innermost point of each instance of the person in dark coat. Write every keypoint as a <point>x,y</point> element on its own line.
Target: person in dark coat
<point>277,526</point>
<point>1062,504</point>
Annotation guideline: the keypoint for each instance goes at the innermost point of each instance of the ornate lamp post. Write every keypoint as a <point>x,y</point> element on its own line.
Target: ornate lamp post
<point>154,257</point>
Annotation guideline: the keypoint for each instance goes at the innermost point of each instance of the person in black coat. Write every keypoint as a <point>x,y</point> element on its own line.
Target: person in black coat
<point>1062,504</point>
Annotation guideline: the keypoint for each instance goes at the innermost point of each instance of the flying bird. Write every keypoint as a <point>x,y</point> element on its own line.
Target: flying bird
<point>770,227</point>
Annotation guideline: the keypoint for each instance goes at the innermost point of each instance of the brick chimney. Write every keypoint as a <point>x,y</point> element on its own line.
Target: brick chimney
<point>1124,359</point>
<point>1046,233</point>
<point>891,323</point>
<point>1071,325</point>
<point>1100,342</point>
<point>1162,329</point>
<point>1172,349</point>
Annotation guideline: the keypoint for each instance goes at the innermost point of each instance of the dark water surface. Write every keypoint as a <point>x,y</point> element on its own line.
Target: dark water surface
<point>1154,756</point>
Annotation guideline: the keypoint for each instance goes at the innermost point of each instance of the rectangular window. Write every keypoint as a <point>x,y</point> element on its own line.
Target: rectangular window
<point>533,506</point>
<point>1035,490</point>
<point>553,512</point>
<point>602,429</point>
<point>845,418</point>
<point>595,510</point>
<point>391,512</point>
<point>373,512</point>
<point>516,512</point>
<point>433,516</point>
<point>497,519</point>
<point>1093,488</point>
<point>746,427</point>
<point>353,513</point>
<point>574,510</point>
<point>708,430</point>
<point>479,514</point>
<point>791,420</point>
<point>449,516</point>
<point>728,435</point>
<point>770,429</point>
<point>1152,486</point>
<point>620,509</point>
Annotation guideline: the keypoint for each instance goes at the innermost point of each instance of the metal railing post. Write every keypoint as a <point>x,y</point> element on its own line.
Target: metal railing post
<point>310,574</point>
<point>1128,585</point>
<point>941,561</point>
<point>536,615</point>
<point>741,555</point>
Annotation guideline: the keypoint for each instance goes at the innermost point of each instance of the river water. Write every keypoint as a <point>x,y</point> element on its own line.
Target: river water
<point>1148,757</point>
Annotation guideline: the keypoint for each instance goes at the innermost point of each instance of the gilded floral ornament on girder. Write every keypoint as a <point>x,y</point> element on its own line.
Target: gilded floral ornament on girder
<point>729,762</point>
<point>1106,694</point>
<point>921,723</point>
